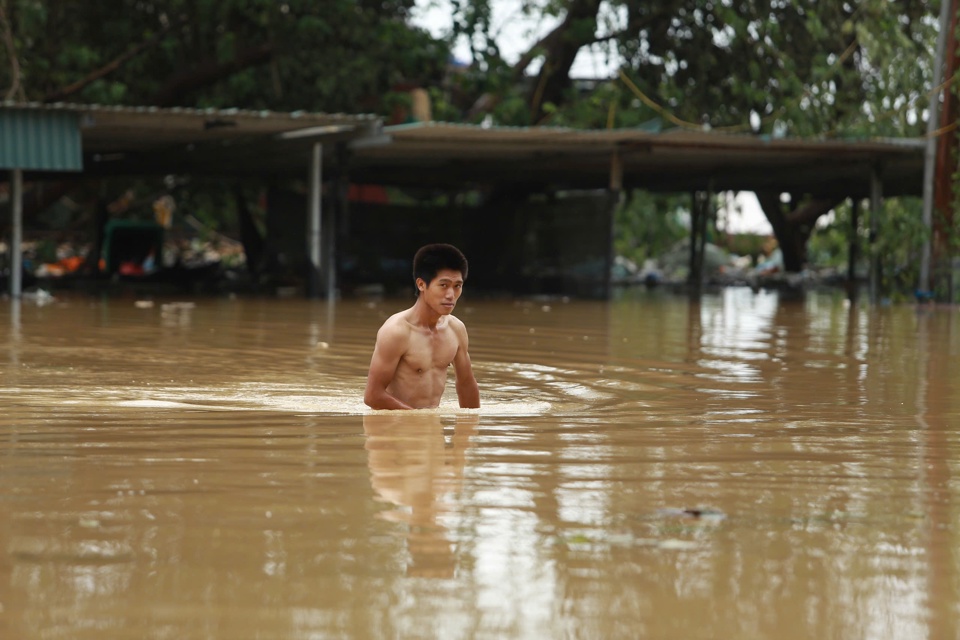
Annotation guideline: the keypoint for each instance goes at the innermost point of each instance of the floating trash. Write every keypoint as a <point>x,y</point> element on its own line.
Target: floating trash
<point>674,544</point>
<point>700,513</point>
<point>178,306</point>
<point>40,297</point>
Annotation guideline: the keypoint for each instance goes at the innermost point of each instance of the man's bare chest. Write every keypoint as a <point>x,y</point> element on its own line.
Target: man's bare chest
<point>431,349</point>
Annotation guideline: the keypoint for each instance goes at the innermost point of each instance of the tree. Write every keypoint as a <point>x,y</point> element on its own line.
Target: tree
<point>339,55</point>
<point>831,68</point>
<point>793,221</point>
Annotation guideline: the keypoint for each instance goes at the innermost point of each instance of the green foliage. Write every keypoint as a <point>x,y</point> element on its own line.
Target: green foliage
<point>899,242</point>
<point>900,239</point>
<point>214,208</point>
<point>443,109</point>
<point>831,68</point>
<point>512,111</point>
<point>829,244</point>
<point>647,225</point>
<point>744,244</point>
<point>338,55</point>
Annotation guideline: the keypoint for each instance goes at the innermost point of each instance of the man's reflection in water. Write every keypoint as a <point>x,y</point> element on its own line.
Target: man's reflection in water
<point>416,466</point>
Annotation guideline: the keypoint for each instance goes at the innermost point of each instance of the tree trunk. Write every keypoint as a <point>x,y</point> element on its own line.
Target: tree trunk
<point>253,243</point>
<point>560,50</point>
<point>113,65</point>
<point>793,226</point>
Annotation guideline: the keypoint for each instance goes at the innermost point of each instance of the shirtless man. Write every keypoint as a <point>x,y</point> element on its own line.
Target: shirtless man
<point>415,347</point>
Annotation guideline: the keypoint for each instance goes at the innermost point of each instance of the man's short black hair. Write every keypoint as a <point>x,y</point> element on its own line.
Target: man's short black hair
<point>431,258</point>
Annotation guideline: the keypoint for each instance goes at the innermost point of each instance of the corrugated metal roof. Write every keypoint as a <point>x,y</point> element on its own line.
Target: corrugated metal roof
<point>442,154</point>
<point>235,142</point>
<point>125,139</point>
<point>559,136</point>
<point>40,140</point>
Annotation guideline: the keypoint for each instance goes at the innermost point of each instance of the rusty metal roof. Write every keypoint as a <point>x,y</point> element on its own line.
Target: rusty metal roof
<point>443,154</point>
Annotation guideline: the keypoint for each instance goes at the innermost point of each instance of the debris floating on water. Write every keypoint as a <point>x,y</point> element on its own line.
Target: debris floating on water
<point>701,513</point>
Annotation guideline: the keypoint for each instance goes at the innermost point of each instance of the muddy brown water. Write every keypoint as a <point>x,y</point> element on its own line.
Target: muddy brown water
<point>745,467</point>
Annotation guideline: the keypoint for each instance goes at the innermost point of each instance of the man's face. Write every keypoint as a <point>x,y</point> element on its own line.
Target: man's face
<point>444,290</point>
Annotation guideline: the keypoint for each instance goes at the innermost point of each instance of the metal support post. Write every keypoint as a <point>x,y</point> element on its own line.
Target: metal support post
<point>853,255</point>
<point>16,241</point>
<point>314,218</point>
<point>876,204</point>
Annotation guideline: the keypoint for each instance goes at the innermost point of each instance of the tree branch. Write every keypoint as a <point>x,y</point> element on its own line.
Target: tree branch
<point>546,41</point>
<point>805,214</point>
<point>486,102</point>
<point>521,65</point>
<point>554,77</point>
<point>809,212</point>
<point>792,225</point>
<point>8,42</point>
<point>210,71</point>
<point>114,64</point>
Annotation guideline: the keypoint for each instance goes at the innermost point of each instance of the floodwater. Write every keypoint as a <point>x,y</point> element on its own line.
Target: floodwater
<point>745,467</point>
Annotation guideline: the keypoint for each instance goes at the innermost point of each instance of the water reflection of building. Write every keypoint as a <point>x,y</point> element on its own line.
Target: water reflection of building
<point>417,468</point>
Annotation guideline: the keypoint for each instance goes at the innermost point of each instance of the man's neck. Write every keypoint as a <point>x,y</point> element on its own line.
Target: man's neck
<point>423,315</point>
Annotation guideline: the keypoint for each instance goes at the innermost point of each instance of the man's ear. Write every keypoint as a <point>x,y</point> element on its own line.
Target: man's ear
<point>421,285</point>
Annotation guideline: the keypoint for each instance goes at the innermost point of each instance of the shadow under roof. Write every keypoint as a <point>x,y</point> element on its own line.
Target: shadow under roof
<point>123,140</point>
<point>443,155</point>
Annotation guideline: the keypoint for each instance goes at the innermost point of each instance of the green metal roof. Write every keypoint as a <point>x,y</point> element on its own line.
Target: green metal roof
<point>40,140</point>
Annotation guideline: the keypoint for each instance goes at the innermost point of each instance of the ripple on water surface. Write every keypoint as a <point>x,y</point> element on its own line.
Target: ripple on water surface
<point>646,467</point>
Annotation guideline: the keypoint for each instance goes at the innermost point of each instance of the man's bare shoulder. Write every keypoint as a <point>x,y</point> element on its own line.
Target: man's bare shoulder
<point>396,326</point>
<point>456,322</point>
<point>457,325</point>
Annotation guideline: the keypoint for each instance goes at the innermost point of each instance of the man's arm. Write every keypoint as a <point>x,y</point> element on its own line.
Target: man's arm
<point>468,392</point>
<point>391,343</point>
